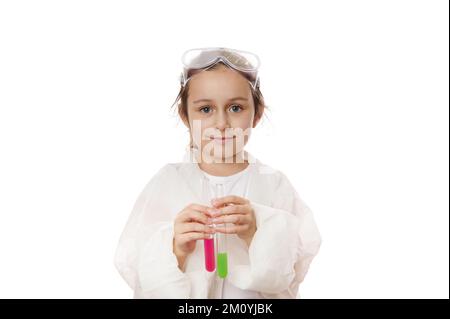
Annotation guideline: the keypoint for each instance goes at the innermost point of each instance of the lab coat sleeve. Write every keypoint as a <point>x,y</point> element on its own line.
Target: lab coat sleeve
<point>144,254</point>
<point>159,275</point>
<point>283,246</point>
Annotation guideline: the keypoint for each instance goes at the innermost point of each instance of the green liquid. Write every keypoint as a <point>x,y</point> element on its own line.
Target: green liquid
<point>222,265</point>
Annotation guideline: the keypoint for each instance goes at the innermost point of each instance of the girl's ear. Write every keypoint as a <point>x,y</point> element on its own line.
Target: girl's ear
<point>258,115</point>
<point>183,117</point>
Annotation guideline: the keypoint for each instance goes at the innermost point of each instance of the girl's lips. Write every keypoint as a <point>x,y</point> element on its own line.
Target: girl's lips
<point>221,138</point>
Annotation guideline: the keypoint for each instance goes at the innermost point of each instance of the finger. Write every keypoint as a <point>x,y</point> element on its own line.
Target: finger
<point>198,207</point>
<point>194,227</point>
<point>184,238</point>
<point>232,199</point>
<point>235,209</point>
<point>194,213</point>
<point>233,229</point>
<point>233,219</point>
<point>211,212</point>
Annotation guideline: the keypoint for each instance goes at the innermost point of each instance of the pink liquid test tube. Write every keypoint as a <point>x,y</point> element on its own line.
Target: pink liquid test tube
<point>208,243</point>
<point>210,260</point>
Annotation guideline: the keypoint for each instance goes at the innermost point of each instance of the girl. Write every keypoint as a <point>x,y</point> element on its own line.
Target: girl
<point>271,234</point>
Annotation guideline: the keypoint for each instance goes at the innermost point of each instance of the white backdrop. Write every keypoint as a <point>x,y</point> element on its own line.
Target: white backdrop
<point>359,87</point>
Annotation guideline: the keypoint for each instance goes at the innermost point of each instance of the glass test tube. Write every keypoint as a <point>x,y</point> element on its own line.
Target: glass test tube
<point>210,259</point>
<point>210,263</point>
<point>221,242</point>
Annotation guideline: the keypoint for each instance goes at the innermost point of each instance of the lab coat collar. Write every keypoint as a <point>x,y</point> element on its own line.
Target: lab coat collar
<point>259,186</point>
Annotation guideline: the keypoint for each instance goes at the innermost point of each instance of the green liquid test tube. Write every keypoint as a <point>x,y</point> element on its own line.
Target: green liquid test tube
<point>222,265</point>
<point>221,243</point>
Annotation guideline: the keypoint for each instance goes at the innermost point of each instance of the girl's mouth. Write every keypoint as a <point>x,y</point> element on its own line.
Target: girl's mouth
<point>220,139</point>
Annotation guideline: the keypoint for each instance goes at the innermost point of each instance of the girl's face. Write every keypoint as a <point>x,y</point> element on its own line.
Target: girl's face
<point>221,113</point>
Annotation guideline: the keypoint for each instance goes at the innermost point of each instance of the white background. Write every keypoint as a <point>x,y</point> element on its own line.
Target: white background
<point>358,97</point>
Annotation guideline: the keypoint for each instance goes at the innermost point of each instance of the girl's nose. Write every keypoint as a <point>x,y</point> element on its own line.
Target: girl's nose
<point>222,121</point>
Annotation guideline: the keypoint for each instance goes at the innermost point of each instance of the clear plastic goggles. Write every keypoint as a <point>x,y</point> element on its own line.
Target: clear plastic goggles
<point>203,58</point>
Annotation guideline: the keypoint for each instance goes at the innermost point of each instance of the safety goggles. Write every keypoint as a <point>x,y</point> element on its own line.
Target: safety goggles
<point>204,58</point>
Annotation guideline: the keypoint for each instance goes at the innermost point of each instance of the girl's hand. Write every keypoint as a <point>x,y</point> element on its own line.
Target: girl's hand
<point>190,225</point>
<point>237,211</point>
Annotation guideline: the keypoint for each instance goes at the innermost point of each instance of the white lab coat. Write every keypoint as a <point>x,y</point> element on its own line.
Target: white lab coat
<point>285,243</point>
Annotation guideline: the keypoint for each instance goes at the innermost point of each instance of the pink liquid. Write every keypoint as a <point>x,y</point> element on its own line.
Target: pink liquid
<point>210,263</point>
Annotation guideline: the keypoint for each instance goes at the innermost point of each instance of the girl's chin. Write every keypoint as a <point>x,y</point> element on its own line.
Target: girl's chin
<point>223,156</point>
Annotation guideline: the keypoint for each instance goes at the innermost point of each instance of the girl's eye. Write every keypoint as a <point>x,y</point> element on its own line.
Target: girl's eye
<point>205,109</point>
<point>236,108</point>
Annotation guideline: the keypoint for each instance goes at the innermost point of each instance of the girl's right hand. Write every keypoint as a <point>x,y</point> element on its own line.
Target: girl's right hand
<point>191,224</point>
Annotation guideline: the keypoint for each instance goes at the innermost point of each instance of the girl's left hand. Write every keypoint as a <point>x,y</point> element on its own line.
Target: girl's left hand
<point>237,211</point>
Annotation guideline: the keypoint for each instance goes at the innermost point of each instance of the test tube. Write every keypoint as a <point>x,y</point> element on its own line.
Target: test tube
<point>210,263</point>
<point>221,243</point>
<point>208,244</point>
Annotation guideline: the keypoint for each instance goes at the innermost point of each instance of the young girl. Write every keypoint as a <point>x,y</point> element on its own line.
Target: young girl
<point>270,233</point>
